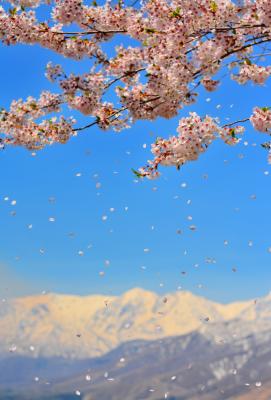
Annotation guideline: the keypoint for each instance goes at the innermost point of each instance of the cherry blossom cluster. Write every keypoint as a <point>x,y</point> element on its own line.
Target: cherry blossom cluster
<point>252,72</point>
<point>263,10</point>
<point>173,47</point>
<point>68,11</point>
<point>261,119</point>
<point>21,129</point>
<point>195,134</point>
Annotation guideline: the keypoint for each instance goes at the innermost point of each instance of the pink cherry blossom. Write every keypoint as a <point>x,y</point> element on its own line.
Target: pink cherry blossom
<point>174,47</point>
<point>195,134</point>
<point>261,119</point>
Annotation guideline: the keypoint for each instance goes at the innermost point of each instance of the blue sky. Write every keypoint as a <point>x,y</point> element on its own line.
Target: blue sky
<point>228,190</point>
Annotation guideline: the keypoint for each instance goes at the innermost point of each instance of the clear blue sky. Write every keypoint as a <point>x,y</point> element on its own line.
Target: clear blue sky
<point>223,205</point>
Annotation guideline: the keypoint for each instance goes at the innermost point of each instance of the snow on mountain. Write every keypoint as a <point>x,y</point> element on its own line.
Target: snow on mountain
<point>52,325</point>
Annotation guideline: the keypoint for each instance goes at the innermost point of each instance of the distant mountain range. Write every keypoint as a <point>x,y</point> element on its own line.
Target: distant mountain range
<point>133,347</point>
<point>77,327</point>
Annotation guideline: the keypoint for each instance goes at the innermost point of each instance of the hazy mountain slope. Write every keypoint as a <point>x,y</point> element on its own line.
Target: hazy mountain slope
<point>188,367</point>
<point>78,327</point>
<point>22,371</point>
<point>186,346</point>
<point>262,393</point>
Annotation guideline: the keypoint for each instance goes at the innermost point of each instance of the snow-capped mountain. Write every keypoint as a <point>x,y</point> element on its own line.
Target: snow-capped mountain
<point>53,325</point>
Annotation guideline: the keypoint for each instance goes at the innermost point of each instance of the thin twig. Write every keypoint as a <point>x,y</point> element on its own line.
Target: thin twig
<point>236,122</point>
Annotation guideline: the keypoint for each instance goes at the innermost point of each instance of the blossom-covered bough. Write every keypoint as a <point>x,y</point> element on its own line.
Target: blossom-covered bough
<point>176,46</point>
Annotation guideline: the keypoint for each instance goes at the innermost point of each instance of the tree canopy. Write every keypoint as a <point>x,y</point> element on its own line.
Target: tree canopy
<point>176,47</point>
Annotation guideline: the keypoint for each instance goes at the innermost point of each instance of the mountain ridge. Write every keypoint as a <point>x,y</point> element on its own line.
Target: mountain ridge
<point>57,325</point>
<point>190,367</point>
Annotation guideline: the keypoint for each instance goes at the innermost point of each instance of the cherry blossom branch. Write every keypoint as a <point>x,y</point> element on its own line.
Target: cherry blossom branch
<point>128,73</point>
<point>195,134</point>
<point>236,122</point>
<point>85,33</point>
<point>180,48</point>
